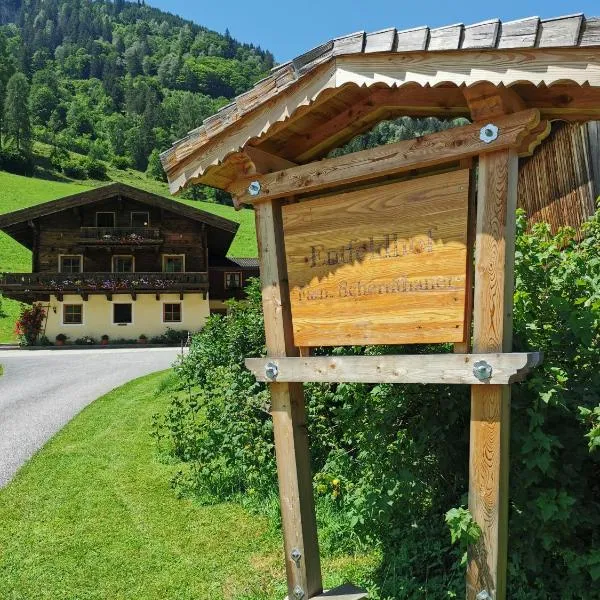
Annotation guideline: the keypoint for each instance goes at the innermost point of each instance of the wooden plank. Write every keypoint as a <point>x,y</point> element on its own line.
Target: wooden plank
<point>487,101</point>
<point>382,265</point>
<point>519,34</point>
<point>590,34</point>
<point>381,41</point>
<point>561,31</point>
<point>429,150</point>
<point>446,38</point>
<point>410,40</point>
<point>490,405</point>
<point>349,44</point>
<point>288,412</point>
<point>481,35</point>
<point>430,368</point>
<point>593,132</point>
<point>464,347</point>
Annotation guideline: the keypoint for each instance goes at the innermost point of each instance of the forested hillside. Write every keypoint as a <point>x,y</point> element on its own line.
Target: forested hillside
<point>113,81</point>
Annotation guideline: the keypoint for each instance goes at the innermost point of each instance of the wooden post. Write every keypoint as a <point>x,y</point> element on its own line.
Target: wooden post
<point>490,405</point>
<point>301,547</point>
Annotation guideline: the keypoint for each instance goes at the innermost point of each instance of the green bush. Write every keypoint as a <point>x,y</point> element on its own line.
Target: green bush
<point>122,162</point>
<point>16,161</point>
<point>391,461</point>
<point>74,168</point>
<point>95,169</point>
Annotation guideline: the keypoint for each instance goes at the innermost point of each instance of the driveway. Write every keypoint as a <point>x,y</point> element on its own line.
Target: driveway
<point>42,390</point>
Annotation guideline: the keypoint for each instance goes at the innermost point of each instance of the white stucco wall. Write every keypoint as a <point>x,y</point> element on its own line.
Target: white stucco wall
<point>147,313</point>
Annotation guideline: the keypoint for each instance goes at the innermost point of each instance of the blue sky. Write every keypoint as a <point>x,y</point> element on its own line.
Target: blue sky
<point>290,28</point>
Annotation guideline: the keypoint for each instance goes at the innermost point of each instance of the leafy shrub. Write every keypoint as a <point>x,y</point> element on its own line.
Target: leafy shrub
<point>390,461</point>
<point>29,324</point>
<point>122,162</point>
<point>85,341</point>
<point>95,169</point>
<point>16,161</point>
<point>74,168</point>
<point>171,336</point>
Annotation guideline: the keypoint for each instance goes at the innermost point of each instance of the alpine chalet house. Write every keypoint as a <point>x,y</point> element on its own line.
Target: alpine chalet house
<point>122,262</point>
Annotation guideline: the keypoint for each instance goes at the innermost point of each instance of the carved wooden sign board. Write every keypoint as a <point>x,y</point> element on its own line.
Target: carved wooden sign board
<point>381,265</point>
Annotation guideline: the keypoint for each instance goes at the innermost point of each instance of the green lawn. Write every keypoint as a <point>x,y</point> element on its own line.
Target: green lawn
<point>92,516</point>
<point>20,192</point>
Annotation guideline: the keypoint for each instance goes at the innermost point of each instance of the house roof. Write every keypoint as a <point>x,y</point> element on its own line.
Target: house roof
<point>233,262</point>
<point>221,230</point>
<point>281,113</point>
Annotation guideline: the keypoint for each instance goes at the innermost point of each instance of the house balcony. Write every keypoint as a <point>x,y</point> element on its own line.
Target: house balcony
<point>129,236</point>
<point>36,285</point>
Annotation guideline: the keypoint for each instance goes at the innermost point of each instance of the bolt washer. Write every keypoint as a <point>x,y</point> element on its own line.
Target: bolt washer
<point>482,370</point>
<point>488,133</point>
<point>254,188</point>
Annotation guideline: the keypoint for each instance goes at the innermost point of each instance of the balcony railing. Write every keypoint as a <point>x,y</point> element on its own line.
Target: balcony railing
<point>101,282</point>
<point>120,235</point>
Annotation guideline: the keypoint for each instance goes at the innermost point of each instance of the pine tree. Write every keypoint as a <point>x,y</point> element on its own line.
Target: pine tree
<point>17,122</point>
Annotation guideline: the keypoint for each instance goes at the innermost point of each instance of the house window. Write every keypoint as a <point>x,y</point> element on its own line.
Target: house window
<point>122,313</point>
<point>174,263</point>
<point>233,280</point>
<point>105,219</point>
<point>122,264</point>
<point>140,219</point>
<point>72,314</point>
<point>172,313</point>
<point>70,263</point>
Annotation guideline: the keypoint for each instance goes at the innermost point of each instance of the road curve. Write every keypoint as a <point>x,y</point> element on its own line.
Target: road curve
<point>42,390</point>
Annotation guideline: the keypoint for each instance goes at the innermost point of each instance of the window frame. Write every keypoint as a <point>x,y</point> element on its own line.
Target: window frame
<point>63,314</point>
<point>241,275</point>
<point>139,212</point>
<point>163,312</point>
<point>121,323</point>
<point>164,262</point>
<point>106,212</point>
<point>112,262</point>
<point>60,259</point>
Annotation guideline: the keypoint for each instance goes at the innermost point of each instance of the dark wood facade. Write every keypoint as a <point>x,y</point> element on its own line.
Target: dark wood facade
<point>78,242</point>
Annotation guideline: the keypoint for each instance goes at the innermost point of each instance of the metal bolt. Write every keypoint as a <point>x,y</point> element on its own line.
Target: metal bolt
<point>271,370</point>
<point>254,188</point>
<point>483,595</point>
<point>482,370</point>
<point>298,593</point>
<point>488,133</point>
<point>296,555</point>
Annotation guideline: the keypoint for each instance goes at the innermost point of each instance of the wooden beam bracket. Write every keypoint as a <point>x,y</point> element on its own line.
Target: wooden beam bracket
<point>441,148</point>
<point>472,369</point>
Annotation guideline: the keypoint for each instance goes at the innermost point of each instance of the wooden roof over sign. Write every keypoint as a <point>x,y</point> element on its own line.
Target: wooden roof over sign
<point>324,97</point>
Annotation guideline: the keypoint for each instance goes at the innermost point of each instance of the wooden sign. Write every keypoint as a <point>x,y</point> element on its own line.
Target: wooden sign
<point>383,265</point>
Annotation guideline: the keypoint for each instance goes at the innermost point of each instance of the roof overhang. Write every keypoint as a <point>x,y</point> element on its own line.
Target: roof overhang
<point>325,97</point>
<point>17,224</point>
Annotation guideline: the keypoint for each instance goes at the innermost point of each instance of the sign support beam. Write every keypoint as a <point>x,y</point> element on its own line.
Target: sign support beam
<point>288,410</point>
<point>490,405</point>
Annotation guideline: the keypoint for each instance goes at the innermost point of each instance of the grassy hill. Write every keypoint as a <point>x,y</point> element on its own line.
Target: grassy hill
<point>20,192</point>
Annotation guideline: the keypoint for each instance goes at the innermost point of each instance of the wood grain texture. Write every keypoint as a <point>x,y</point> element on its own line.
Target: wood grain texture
<point>563,31</point>
<point>288,412</point>
<point>446,38</point>
<point>556,185</point>
<point>481,35</point>
<point>519,34</point>
<point>432,368</point>
<point>490,405</point>
<point>382,265</point>
<point>426,151</point>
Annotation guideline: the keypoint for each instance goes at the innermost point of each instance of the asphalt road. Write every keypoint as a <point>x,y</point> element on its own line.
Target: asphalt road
<point>42,390</point>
